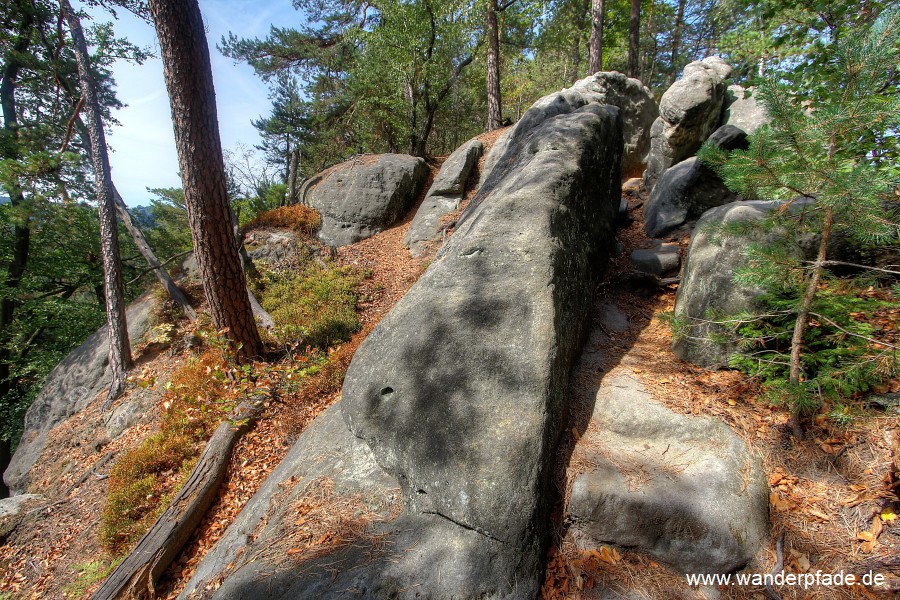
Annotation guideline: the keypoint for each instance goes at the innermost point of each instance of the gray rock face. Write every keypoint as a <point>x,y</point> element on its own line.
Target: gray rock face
<point>71,385</point>
<point>443,196</point>
<point>688,189</point>
<point>707,285</point>
<point>11,511</point>
<point>742,110</point>
<point>657,261</point>
<point>689,111</point>
<point>639,111</point>
<point>460,389</point>
<point>358,199</point>
<point>634,101</point>
<point>684,489</point>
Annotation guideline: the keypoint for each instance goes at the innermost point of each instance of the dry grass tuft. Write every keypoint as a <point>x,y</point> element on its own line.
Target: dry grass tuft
<point>302,219</point>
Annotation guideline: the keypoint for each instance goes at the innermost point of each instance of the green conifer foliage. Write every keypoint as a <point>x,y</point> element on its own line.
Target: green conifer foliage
<point>829,160</point>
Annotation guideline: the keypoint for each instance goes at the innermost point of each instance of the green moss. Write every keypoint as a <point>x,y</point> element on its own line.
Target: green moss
<point>315,307</point>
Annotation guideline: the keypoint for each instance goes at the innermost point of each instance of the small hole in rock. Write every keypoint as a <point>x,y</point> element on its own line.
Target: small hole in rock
<point>387,391</point>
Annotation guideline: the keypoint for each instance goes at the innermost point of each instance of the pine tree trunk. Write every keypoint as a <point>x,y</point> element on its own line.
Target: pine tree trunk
<point>119,347</point>
<point>634,40</point>
<point>802,321</point>
<point>598,15</point>
<point>293,170</point>
<point>188,76</point>
<point>676,40</point>
<point>576,41</point>
<point>495,116</point>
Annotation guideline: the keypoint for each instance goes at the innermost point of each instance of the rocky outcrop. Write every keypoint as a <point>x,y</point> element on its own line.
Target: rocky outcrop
<point>459,391</point>
<point>365,195</point>
<point>690,188</point>
<point>683,489</point>
<point>634,101</point>
<point>708,289</point>
<point>70,387</point>
<point>689,111</point>
<point>742,109</point>
<point>443,196</point>
<point>638,108</point>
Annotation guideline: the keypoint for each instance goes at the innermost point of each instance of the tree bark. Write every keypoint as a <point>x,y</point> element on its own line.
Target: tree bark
<point>21,233</point>
<point>812,285</point>
<point>495,116</point>
<point>137,575</point>
<point>293,170</point>
<point>119,348</point>
<point>598,15</point>
<point>634,40</point>
<point>676,40</point>
<point>188,76</point>
<point>576,40</point>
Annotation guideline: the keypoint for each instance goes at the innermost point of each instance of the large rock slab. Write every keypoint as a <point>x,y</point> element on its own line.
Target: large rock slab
<point>684,489</point>
<point>690,188</point>
<point>639,111</point>
<point>365,195</point>
<point>460,389</point>
<point>708,290</point>
<point>68,389</point>
<point>443,196</point>
<point>634,101</point>
<point>743,110</point>
<point>689,112</point>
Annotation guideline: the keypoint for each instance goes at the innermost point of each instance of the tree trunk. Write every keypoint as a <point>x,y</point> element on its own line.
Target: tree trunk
<point>119,347</point>
<point>634,40</point>
<point>676,40</point>
<point>576,41</point>
<point>495,116</point>
<point>147,252</point>
<point>598,15</point>
<point>137,575</point>
<point>188,75</point>
<point>293,170</point>
<point>812,285</point>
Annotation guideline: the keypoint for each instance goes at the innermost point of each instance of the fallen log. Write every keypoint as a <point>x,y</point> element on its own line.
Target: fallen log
<point>137,575</point>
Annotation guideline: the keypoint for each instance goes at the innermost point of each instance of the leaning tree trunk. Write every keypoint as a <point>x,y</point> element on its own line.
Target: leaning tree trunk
<point>598,14</point>
<point>495,116</point>
<point>137,575</point>
<point>119,348</point>
<point>812,285</point>
<point>634,40</point>
<point>188,75</point>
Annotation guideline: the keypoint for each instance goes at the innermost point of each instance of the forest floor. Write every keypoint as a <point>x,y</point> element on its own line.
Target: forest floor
<point>829,492</point>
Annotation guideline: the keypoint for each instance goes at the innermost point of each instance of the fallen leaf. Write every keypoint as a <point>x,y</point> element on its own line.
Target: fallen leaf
<point>818,513</point>
<point>888,515</point>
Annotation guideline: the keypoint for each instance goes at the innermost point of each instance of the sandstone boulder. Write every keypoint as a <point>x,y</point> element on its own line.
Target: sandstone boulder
<point>443,196</point>
<point>708,289</point>
<point>365,195</point>
<point>743,110</point>
<point>70,387</point>
<point>634,101</point>
<point>460,389</point>
<point>684,489</point>
<point>689,112</point>
<point>690,188</point>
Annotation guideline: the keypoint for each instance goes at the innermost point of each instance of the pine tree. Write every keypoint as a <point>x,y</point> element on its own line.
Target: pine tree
<point>823,159</point>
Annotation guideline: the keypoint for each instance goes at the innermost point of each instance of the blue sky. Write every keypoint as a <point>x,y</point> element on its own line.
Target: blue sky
<point>143,145</point>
